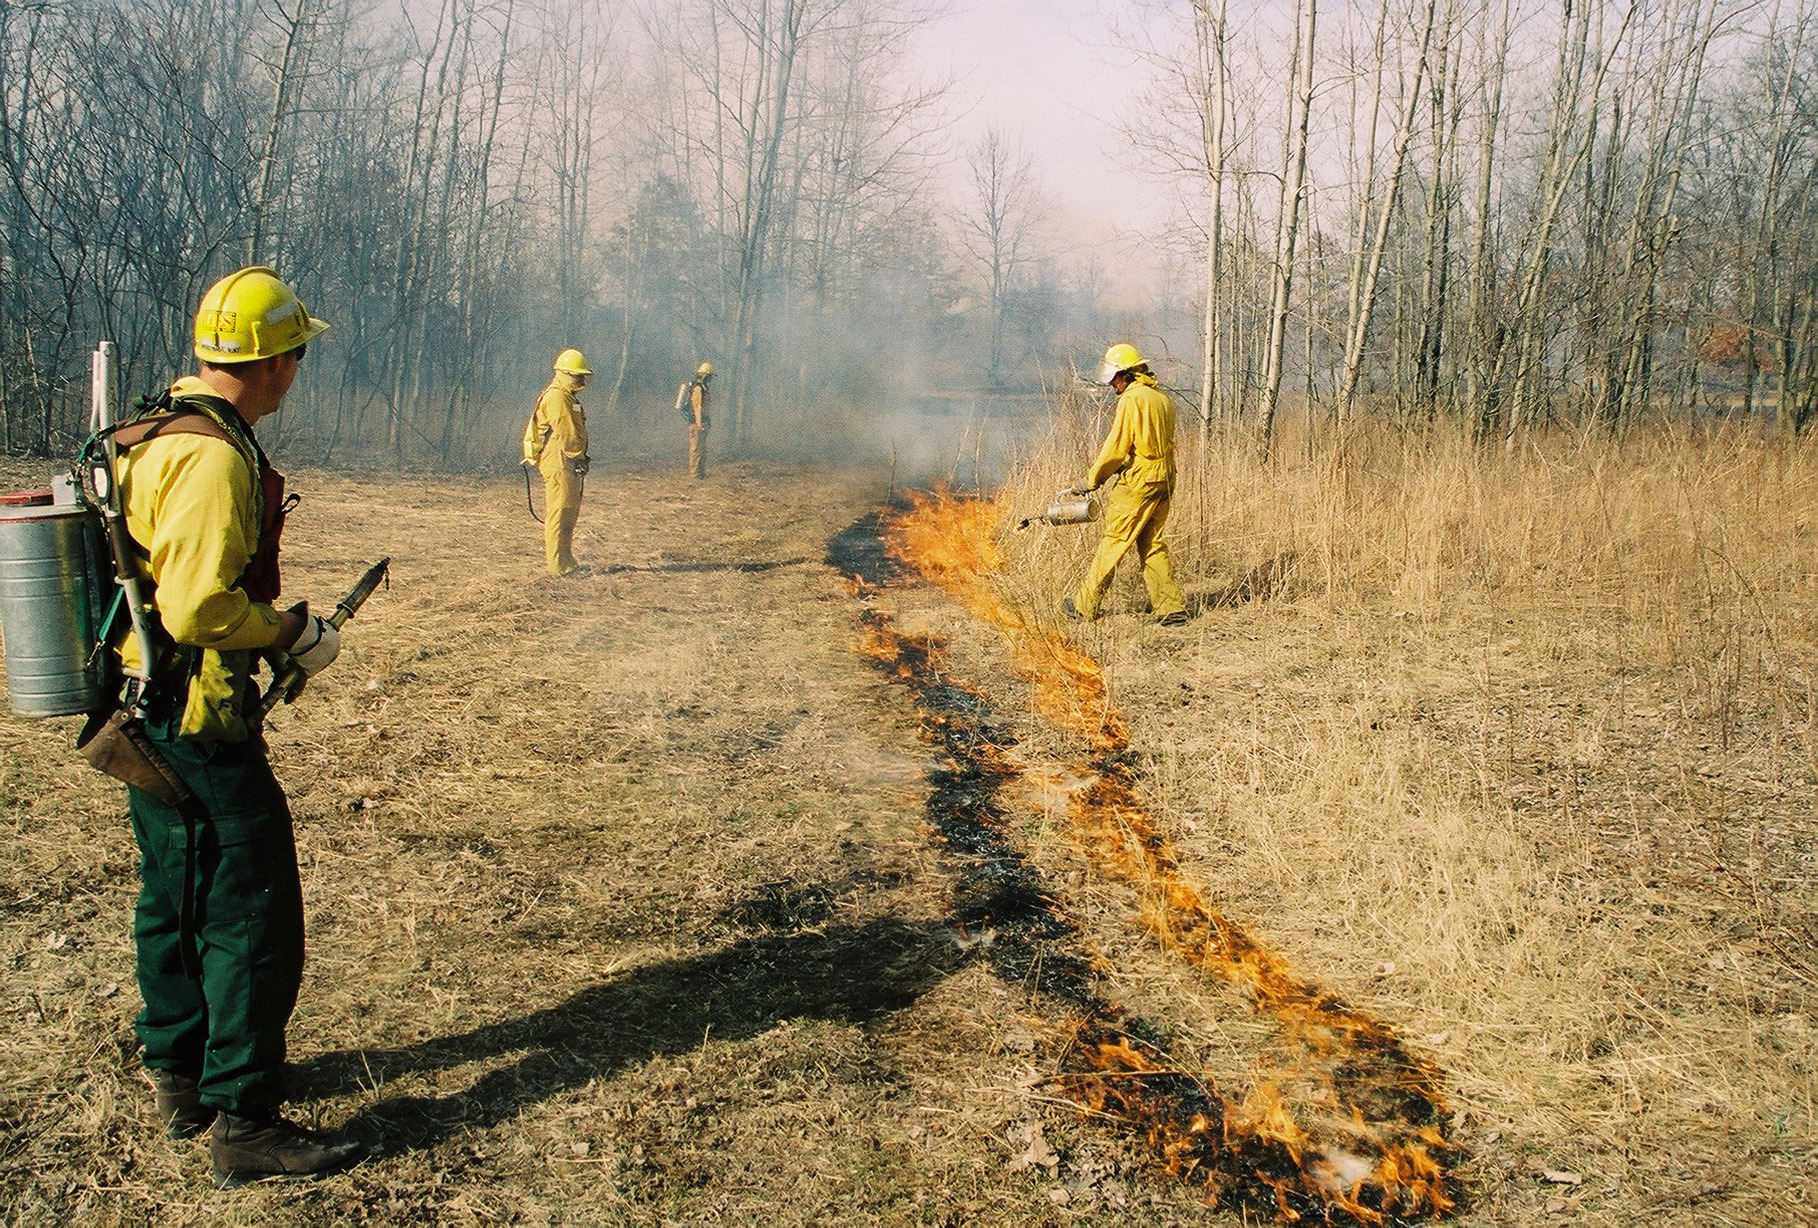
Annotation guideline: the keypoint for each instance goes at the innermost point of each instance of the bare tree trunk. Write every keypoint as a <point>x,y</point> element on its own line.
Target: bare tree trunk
<point>299,24</point>
<point>1214,77</point>
<point>1781,92</point>
<point>1368,269</point>
<point>1482,397</point>
<point>1436,269</point>
<point>1293,184</point>
<point>1524,346</point>
<point>775,79</point>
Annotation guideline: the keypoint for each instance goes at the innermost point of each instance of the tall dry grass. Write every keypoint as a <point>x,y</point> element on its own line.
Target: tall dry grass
<point>1684,528</point>
<point>1520,749</point>
<point>1698,546</point>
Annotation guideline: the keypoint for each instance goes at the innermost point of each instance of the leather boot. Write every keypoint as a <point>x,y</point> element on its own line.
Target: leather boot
<point>180,1108</point>
<point>255,1148</point>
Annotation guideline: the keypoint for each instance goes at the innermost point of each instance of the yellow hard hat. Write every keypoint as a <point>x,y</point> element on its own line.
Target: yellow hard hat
<point>1120,357</point>
<point>573,362</point>
<point>704,370</point>
<point>250,315</point>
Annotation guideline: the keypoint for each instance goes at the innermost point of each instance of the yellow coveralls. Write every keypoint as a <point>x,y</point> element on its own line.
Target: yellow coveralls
<point>1140,446</point>
<point>697,430</point>
<point>555,440</point>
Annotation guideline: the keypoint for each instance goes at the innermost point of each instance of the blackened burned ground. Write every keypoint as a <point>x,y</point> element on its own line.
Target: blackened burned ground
<point>999,902</point>
<point>1000,905</point>
<point>858,551</point>
<point>1004,910</point>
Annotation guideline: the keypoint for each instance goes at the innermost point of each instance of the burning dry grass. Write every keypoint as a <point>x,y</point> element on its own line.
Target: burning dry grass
<point>1368,1094</point>
<point>1521,748</point>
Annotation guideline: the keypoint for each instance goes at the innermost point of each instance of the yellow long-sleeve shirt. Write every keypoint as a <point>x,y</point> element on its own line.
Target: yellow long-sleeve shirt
<point>192,507</point>
<point>1140,444</point>
<point>558,428</point>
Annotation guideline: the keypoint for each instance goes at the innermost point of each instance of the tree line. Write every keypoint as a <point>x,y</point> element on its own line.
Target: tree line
<point>1500,214</point>
<point>463,187</point>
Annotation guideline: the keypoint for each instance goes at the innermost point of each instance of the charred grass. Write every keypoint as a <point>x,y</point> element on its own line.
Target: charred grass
<point>627,906</point>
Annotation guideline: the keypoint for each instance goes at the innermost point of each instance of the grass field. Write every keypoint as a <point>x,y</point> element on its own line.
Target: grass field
<point>632,898</point>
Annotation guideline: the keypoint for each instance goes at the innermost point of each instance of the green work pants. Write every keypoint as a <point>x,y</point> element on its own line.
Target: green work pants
<point>1133,521</point>
<point>218,986</point>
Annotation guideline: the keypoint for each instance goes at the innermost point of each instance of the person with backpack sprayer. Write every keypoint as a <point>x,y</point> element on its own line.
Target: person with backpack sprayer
<point>1140,448</point>
<point>691,403</point>
<point>555,442</point>
<point>219,922</point>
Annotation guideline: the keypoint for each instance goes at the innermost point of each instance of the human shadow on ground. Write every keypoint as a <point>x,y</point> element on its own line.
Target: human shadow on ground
<point>613,569</point>
<point>1260,583</point>
<point>852,973</point>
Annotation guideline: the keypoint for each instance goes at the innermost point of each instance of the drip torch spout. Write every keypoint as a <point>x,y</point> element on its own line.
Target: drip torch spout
<point>1065,508</point>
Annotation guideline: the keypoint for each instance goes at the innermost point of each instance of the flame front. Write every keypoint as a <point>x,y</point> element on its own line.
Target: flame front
<point>1356,1124</point>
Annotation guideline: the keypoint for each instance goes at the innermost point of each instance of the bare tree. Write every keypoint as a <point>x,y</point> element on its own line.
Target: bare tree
<point>1369,258</point>
<point>1288,210</point>
<point>297,24</point>
<point>1004,205</point>
<point>1211,44</point>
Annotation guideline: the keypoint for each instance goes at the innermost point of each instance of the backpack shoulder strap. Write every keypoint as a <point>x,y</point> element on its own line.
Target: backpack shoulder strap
<point>177,422</point>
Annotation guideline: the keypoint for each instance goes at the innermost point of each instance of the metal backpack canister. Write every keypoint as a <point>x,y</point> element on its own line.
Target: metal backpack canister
<point>58,585</point>
<point>55,588</point>
<point>67,576</point>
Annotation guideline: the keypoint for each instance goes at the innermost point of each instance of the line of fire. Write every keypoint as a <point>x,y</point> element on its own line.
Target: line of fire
<point>1341,1122</point>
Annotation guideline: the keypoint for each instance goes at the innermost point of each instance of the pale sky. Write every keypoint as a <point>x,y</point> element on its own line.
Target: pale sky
<point>1052,75</point>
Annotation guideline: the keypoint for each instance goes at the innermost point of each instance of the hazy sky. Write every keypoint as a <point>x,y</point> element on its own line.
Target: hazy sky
<point>1050,73</point>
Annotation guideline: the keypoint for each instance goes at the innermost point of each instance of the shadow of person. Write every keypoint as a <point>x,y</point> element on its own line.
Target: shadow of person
<point>610,569</point>
<point>1267,579</point>
<point>852,973</point>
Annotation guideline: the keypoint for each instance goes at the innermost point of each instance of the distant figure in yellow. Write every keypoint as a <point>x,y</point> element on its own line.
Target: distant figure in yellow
<point>555,441</point>
<point>1140,447</point>
<point>691,401</point>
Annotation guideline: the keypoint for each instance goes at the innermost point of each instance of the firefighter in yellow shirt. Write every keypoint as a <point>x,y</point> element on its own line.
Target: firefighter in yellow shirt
<point>691,400</point>
<point>219,923</point>
<point>555,442</point>
<point>1140,449</point>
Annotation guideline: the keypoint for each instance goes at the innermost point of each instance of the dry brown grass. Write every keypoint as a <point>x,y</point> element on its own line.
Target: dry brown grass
<point>623,909</point>
<point>1519,751</point>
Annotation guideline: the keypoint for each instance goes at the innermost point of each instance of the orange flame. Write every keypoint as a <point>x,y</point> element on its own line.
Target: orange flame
<point>1380,1099</point>
<point>947,540</point>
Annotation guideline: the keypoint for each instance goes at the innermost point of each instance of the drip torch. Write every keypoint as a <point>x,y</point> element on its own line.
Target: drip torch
<point>1067,507</point>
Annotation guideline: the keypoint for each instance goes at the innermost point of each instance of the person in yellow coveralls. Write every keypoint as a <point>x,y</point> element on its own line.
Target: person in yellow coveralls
<point>1140,449</point>
<point>691,400</point>
<point>555,441</point>
<point>218,928</point>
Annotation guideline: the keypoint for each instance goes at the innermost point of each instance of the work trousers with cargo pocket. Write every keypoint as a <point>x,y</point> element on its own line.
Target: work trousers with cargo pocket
<point>219,924</point>
<point>1134,517</point>
<point>697,449</point>
<point>562,488</point>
